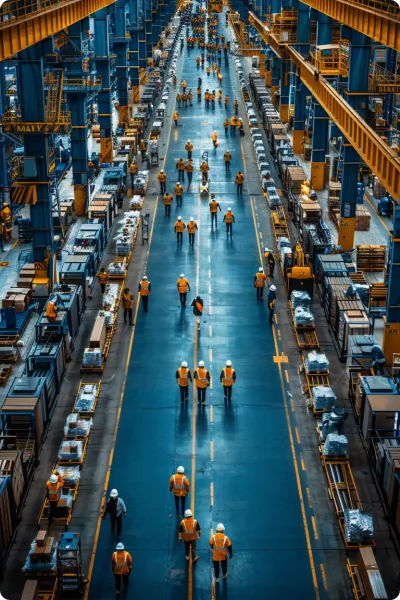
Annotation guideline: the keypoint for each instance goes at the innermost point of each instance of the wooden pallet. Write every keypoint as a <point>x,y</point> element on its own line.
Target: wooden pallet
<point>8,340</point>
<point>311,380</point>
<point>306,335</point>
<point>5,372</point>
<point>371,258</point>
<point>355,581</point>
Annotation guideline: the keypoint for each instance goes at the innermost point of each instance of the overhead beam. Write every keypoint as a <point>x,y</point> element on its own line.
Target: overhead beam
<point>371,18</point>
<point>371,148</point>
<point>20,29</point>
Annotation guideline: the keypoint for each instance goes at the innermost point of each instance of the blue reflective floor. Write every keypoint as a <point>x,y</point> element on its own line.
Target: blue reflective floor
<point>243,471</point>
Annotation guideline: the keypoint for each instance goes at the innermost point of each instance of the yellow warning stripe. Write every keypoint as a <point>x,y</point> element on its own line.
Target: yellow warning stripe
<point>23,193</point>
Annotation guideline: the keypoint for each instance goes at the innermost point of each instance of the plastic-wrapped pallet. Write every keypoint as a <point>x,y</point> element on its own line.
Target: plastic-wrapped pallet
<point>299,298</point>
<point>336,445</point>
<point>86,399</point>
<point>117,268</point>
<point>111,296</point>
<point>303,316</point>
<point>76,426</point>
<point>283,251</point>
<point>283,242</point>
<point>273,198</point>
<point>358,527</point>
<point>92,358</point>
<point>44,567</point>
<point>70,450</point>
<point>316,361</point>
<point>123,246</point>
<point>70,474</point>
<point>324,397</point>
<point>136,202</point>
<point>108,315</point>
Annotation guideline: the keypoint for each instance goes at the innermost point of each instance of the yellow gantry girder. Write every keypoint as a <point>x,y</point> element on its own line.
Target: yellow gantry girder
<point>372,149</point>
<point>27,22</point>
<point>378,19</point>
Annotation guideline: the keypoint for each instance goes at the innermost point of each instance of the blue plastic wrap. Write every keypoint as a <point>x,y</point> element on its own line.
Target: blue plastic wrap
<point>336,445</point>
<point>358,527</point>
<point>43,567</point>
<point>70,450</point>
<point>299,298</point>
<point>324,397</point>
<point>316,362</point>
<point>86,399</point>
<point>303,316</point>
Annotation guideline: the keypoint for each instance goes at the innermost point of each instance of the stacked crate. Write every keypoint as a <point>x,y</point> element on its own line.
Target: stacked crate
<point>363,218</point>
<point>371,257</point>
<point>334,200</point>
<point>293,178</point>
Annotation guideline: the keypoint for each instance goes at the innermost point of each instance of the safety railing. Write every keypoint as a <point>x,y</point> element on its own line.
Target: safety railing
<point>382,80</point>
<point>17,10</point>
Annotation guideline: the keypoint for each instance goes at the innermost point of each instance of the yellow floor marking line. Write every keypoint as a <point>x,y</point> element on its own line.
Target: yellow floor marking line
<point>14,244</point>
<point>286,376</point>
<point>309,497</point>
<point>323,575</point>
<point>121,400</point>
<point>303,466</point>
<point>291,440</point>
<point>211,494</point>
<point>276,319</point>
<point>314,526</point>
<point>297,435</point>
<point>211,451</point>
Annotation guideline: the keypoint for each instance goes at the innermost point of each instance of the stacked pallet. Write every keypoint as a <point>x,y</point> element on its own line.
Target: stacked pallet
<point>371,257</point>
<point>358,277</point>
<point>293,178</point>
<point>334,200</point>
<point>363,218</point>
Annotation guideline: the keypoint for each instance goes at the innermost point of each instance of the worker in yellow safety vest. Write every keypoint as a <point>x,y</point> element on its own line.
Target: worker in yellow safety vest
<point>144,288</point>
<point>221,545</point>
<point>121,562</point>
<point>178,483</point>
<point>51,310</point>
<point>228,379</point>
<point>189,532</point>
<point>259,283</point>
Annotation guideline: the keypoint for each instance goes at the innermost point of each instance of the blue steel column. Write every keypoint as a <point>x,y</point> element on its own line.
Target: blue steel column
<point>348,195</point>
<point>299,116</point>
<point>391,332</point>
<point>121,51</point>
<point>390,65</point>
<point>275,75</point>
<point>324,29</point>
<point>148,28</point>
<point>32,103</point>
<point>319,145</point>
<point>134,65</point>
<point>102,57</point>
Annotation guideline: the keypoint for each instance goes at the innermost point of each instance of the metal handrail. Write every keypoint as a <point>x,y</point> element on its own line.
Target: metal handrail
<point>17,10</point>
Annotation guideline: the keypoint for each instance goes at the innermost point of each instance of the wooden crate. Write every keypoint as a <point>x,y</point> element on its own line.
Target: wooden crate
<point>363,219</point>
<point>371,257</point>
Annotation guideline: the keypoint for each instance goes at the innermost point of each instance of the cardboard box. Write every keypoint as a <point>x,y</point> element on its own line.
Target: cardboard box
<point>41,537</point>
<point>98,336</point>
<point>9,301</point>
<point>24,282</point>
<point>20,303</point>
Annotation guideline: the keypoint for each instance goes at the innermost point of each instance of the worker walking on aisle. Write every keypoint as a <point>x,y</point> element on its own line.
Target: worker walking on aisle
<point>121,567</point>
<point>179,227</point>
<point>227,160</point>
<point>192,228</point>
<point>189,532</point>
<point>214,138</point>
<point>226,101</point>
<point>214,207</point>
<point>115,507</point>
<point>102,278</point>
<point>189,148</point>
<point>162,178</point>
<point>54,488</point>
<point>183,287</point>
<point>239,179</point>
<point>143,149</point>
<point>51,309</point>
<point>133,169</point>
<point>259,283</point>
<point>204,168</point>
<point>179,485</point>
<point>229,219</point>
<point>198,306</point>
<point>184,85</point>
<point>180,166</point>
<point>202,379</point>
<point>271,302</point>
<point>226,126</point>
<point>228,379</point>
<point>127,303</point>
<point>189,171</point>
<point>167,204</point>
<point>269,257</point>
<point>221,545</point>
<point>144,289</point>
<point>183,376</point>
<point>178,193</point>
<point>176,118</point>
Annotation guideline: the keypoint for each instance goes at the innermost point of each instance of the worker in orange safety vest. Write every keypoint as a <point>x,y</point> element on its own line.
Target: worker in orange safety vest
<point>192,228</point>
<point>179,485</point>
<point>202,379</point>
<point>51,310</point>
<point>121,562</point>
<point>144,288</point>
<point>180,166</point>
<point>162,178</point>
<point>183,287</point>
<point>54,488</point>
<point>228,379</point>
<point>239,179</point>
<point>127,303</point>
<point>221,545</point>
<point>189,532</point>
<point>179,227</point>
<point>189,148</point>
<point>178,193</point>
<point>167,203</point>
<point>259,283</point>
<point>229,219</point>
<point>102,279</point>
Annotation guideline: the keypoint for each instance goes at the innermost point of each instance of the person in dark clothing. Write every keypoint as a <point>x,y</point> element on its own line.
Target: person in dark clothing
<point>271,302</point>
<point>198,309</point>
<point>269,257</point>
<point>115,507</point>
<point>128,302</point>
<point>379,359</point>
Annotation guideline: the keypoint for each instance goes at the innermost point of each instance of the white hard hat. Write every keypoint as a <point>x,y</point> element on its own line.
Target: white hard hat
<point>228,363</point>
<point>114,493</point>
<point>229,208</point>
<point>261,270</point>
<point>53,478</point>
<point>191,218</point>
<point>188,141</point>
<point>220,527</point>
<point>162,171</point>
<point>180,469</point>
<point>201,363</point>
<point>182,275</point>
<point>272,288</point>
<point>144,276</point>
<point>177,183</point>
<point>179,218</point>
<point>266,250</point>
<point>184,363</point>
<point>188,513</point>
<point>120,546</point>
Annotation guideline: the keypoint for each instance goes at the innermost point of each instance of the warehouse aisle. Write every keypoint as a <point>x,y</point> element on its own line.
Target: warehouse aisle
<point>241,468</point>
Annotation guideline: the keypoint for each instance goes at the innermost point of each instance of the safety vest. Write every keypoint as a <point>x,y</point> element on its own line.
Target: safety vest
<point>227,378</point>
<point>219,547</point>
<point>180,165</point>
<point>227,157</point>
<point>178,190</point>
<point>189,147</point>
<point>204,167</point>
<point>1,229</point>
<point>178,485</point>
<point>239,178</point>
<point>213,206</point>
<point>120,562</point>
<point>183,285</point>
<point>199,307</point>
<point>162,178</point>
<point>179,226</point>
<point>189,529</point>
<point>260,280</point>
<point>226,123</point>
<point>144,287</point>
<point>201,379</point>
<point>168,199</point>
<point>127,300</point>
<point>214,137</point>
<point>232,121</point>
<point>184,84</point>
<point>189,167</point>
<point>6,213</point>
<point>183,378</point>
<point>176,116</point>
<point>270,258</point>
<point>228,218</point>
<point>54,491</point>
<point>133,168</point>
<point>50,310</point>
<point>191,227</point>
<point>102,277</point>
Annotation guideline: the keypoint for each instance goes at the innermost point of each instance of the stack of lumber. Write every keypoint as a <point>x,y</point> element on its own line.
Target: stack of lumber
<point>371,579</point>
<point>363,218</point>
<point>371,257</point>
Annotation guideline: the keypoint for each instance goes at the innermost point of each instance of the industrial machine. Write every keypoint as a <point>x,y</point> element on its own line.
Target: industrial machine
<point>297,273</point>
<point>48,357</point>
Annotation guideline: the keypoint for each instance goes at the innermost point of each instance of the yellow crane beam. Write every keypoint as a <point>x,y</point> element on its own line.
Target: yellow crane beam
<point>27,22</point>
<point>372,149</point>
<point>378,19</point>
